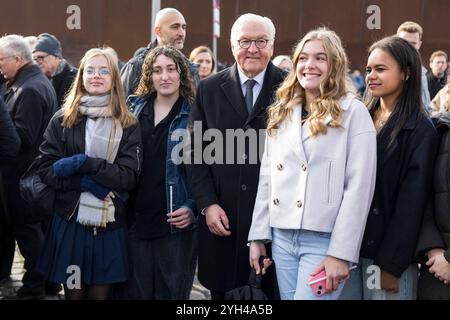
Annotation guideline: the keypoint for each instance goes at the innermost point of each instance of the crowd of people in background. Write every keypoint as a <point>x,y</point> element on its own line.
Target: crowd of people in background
<point>351,171</point>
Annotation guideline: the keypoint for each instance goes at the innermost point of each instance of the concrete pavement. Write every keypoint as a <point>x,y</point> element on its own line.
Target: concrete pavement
<point>9,287</point>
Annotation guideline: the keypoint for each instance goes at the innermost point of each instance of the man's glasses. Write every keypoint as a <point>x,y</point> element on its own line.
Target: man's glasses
<point>101,72</point>
<point>259,43</point>
<point>40,59</point>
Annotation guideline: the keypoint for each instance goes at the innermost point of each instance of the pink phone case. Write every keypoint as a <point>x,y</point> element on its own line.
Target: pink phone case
<point>319,288</point>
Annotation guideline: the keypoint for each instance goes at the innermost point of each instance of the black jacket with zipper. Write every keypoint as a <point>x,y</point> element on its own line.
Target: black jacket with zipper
<point>120,176</point>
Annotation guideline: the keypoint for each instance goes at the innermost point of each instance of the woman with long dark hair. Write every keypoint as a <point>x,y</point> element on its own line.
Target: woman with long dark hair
<point>406,148</point>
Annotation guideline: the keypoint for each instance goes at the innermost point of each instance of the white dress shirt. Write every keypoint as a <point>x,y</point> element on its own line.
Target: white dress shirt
<point>259,78</point>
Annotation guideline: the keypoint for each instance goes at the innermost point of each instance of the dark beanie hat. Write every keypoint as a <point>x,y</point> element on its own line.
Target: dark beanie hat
<point>47,42</point>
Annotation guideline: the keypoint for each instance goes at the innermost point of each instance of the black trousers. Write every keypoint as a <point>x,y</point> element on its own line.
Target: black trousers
<point>162,268</point>
<point>30,240</point>
<point>431,288</point>
<point>216,295</point>
<point>7,247</point>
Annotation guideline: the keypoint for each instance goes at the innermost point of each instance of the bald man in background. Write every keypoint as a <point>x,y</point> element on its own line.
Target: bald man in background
<point>170,30</point>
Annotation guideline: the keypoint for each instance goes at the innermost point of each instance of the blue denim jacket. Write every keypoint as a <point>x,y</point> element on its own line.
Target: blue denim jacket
<point>175,173</point>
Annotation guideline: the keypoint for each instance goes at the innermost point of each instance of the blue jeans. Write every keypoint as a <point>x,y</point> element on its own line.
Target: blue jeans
<point>357,287</point>
<point>296,254</point>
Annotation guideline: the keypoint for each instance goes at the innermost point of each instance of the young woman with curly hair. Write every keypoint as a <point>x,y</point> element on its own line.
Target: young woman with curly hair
<point>163,233</point>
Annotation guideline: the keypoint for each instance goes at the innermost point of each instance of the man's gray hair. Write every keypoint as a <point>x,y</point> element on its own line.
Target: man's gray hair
<point>15,45</point>
<point>250,17</point>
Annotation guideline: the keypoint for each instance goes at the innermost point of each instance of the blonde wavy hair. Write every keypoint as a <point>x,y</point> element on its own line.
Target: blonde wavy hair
<point>335,86</point>
<point>118,106</point>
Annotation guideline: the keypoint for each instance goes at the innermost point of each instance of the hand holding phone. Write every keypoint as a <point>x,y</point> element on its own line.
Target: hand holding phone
<point>318,283</point>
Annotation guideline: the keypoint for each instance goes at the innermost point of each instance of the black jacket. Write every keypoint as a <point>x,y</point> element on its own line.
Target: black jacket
<point>31,102</point>
<point>402,190</point>
<point>2,85</point>
<point>131,72</point>
<point>9,139</point>
<point>435,231</point>
<point>120,176</point>
<point>63,81</point>
<point>435,84</point>
<point>9,147</point>
<point>223,261</point>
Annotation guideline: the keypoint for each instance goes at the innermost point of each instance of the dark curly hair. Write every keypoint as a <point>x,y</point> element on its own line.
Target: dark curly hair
<point>146,86</point>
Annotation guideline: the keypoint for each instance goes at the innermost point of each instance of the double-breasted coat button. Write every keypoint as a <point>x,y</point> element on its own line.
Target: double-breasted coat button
<point>370,242</point>
<point>276,202</point>
<point>280,167</point>
<point>376,211</point>
<point>299,204</point>
<point>244,187</point>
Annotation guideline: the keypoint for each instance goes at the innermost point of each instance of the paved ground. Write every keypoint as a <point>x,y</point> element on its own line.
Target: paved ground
<point>8,288</point>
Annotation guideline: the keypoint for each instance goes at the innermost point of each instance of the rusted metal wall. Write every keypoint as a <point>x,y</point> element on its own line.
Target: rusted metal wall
<point>125,25</point>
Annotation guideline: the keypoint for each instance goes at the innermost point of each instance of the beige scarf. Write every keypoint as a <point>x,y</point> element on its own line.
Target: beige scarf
<point>103,136</point>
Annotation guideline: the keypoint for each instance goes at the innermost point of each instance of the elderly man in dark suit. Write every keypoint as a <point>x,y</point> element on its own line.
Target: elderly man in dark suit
<point>31,102</point>
<point>9,147</point>
<point>224,185</point>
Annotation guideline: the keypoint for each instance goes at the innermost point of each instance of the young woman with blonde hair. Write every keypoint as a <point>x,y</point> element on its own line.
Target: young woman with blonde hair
<point>317,173</point>
<point>91,158</point>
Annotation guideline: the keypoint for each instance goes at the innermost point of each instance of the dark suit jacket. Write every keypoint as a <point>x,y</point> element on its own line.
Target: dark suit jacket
<point>402,190</point>
<point>31,102</point>
<point>9,147</point>
<point>220,104</point>
<point>63,81</point>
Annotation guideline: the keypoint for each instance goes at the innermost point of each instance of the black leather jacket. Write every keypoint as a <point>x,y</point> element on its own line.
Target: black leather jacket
<point>120,176</point>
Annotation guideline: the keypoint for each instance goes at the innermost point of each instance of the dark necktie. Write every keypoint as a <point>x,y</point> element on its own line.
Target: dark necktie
<point>249,94</point>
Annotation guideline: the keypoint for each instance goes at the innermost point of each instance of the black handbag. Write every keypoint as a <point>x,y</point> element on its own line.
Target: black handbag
<point>36,194</point>
<point>251,291</point>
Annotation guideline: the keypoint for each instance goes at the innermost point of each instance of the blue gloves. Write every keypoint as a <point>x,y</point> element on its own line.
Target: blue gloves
<point>66,167</point>
<point>88,184</point>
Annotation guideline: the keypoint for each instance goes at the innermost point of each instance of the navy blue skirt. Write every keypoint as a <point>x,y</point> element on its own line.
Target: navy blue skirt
<point>101,258</point>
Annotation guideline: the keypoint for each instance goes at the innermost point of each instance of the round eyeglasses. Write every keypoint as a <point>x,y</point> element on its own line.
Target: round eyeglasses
<point>101,72</point>
<point>40,59</point>
<point>259,43</point>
